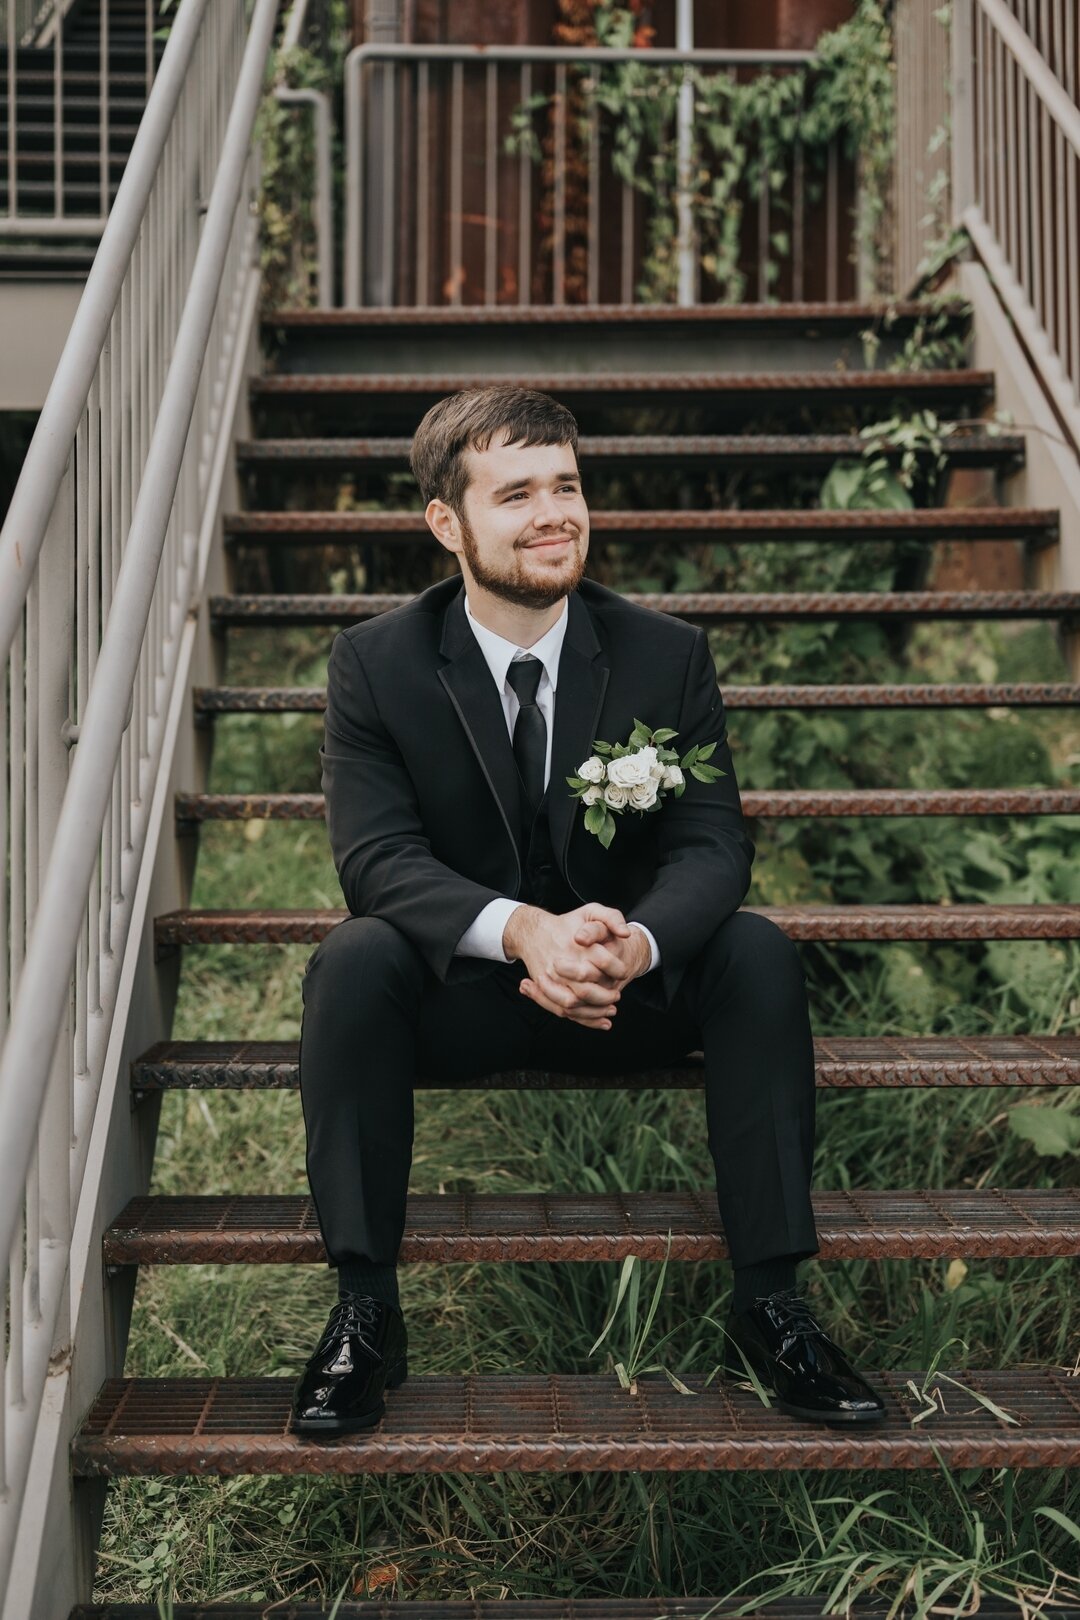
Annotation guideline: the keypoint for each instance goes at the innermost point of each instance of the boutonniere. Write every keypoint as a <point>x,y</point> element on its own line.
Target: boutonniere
<point>635,775</point>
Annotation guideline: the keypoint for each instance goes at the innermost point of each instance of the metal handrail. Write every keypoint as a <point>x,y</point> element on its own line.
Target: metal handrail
<point>42,470</point>
<point>131,670</point>
<point>525,57</point>
<point>292,37</point>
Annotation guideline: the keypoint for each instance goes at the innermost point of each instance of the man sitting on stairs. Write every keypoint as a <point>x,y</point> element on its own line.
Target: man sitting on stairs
<point>491,929</point>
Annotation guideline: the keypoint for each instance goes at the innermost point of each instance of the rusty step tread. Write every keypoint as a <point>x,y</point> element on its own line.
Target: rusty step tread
<point>748,314</point>
<point>711,607</point>
<point>575,1608</point>
<point>968,445</point>
<point>484,1423</point>
<point>850,922</point>
<point>844,384</point>
<point>841,1061</point>
<point>987,1223</point>
<point>947,522</point>
<point>197,807</point>
<point>936,695</point>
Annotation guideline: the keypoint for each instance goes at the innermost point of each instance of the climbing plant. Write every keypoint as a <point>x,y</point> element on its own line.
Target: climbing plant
<point>743,140</point>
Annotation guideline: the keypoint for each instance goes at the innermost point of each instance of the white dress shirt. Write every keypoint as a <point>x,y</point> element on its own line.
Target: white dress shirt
<point>483,937</point>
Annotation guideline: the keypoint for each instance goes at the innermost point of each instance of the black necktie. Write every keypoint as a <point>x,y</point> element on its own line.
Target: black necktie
<point>530,732</point>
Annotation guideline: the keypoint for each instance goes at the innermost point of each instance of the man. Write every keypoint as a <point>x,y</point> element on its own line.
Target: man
<point>490,928</point>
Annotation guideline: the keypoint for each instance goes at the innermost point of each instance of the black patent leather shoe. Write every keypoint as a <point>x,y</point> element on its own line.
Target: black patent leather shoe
<point>362,1352</point>
<point>797,1362</point>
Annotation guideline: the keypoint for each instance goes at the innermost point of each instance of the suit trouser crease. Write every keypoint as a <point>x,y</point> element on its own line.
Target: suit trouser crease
<point>375,1017</point>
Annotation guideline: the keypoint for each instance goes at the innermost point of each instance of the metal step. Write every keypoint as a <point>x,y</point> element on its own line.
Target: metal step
<point>778,802</point>
<point>542,1424</point>
<point>818,319</point>
<point>210,700</point>
<point>990,1223</point>
<point>967,445</point>
<point>703,607</point>
<point>931,523</point>
<point>961,385</point>
<point>575,1608</point>
<point>823,923</point>
<point>844,1062</point>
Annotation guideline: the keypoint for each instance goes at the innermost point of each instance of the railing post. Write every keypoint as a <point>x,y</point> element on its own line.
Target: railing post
<point>962,110</point>
<point>56,651</point>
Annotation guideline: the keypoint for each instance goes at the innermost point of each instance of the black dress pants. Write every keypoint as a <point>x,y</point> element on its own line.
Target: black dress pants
<point>375,1015</point>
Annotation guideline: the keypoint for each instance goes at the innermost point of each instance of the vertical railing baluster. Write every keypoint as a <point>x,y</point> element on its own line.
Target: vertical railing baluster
<point>423,191</point>
<point>558,251</point>
<point>525,190</point>
<point>457,121</point>
<point>832,211</point>
<point>491,181</point>
<point>105,110</point>
<point>593,244</point>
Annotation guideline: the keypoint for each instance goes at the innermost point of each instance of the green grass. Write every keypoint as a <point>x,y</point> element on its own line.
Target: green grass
<point>935,1536</point>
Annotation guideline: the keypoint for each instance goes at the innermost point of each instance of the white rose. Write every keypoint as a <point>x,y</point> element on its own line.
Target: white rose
<point>658,772</point>
<point>673,776</point>
<point>592,770</point>
<point>616,796</point>
<point>632,769</point>
<point>592,795</point>
<point>642,796</point>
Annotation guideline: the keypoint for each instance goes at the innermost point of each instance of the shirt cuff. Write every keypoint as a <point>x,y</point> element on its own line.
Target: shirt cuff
<point>653,946</point>
<point>483,937</point>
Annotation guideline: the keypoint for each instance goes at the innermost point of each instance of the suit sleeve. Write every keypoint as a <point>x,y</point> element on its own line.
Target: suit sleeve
<point>382,855</point>
<point>704,851</point>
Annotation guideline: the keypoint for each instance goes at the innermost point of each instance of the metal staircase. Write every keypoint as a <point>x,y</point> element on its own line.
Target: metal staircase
<point>330,373</point>
<point>190,471</point>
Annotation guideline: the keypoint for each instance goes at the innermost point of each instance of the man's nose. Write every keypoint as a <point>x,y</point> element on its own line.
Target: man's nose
<point>549,514</point>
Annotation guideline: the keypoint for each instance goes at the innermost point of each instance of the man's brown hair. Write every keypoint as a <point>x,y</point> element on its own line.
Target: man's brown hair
<point>469,420</point>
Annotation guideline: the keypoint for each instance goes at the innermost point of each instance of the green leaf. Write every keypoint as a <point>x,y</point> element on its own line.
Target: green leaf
<point>594,818</point>
<point>1052,1132</point>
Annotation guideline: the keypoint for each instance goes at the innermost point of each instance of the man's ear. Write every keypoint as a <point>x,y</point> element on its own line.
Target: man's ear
<point>443,524</point>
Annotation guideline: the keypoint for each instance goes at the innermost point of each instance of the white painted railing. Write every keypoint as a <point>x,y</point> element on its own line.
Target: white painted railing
<point>1017,140</point>
<point>32,193</point>
<point>104,544</point>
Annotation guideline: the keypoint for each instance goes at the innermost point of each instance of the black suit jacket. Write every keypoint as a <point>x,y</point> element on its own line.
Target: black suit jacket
<point>422,788</point>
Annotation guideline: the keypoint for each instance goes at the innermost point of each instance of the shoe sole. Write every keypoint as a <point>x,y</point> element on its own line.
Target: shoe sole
<point>333,1427</point>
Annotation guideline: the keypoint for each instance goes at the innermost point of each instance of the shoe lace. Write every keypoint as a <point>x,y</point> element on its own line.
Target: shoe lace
<point>799,1319</point>
<point>355,1313</point>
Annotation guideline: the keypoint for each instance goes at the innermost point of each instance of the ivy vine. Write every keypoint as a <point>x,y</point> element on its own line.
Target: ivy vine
<point>743,140</point>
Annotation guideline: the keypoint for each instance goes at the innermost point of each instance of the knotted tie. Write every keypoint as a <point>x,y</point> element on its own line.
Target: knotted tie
<point>530,732</point>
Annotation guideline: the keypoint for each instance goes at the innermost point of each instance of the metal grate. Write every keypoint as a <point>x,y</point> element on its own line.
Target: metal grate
<point>781,802</point>
<point>843,1061</point>
<point>988,1223</point>
<point>968,446</point>
<point>700,607</point>
<point>938,695</point>
<point>828,923</point>
<point>479,1424</point>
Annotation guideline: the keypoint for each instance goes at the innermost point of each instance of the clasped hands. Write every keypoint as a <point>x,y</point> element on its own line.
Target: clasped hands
<point>578,963</point>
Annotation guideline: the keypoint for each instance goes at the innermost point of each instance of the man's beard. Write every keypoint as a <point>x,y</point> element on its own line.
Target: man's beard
<point>533,592</point>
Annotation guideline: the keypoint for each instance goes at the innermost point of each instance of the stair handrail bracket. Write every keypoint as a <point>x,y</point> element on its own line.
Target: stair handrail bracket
<point>102,559</point>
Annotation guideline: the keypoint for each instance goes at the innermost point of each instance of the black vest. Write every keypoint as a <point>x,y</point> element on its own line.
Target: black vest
<point>542,883</point>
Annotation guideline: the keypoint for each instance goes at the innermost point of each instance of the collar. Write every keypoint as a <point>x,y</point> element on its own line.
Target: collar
<point>499,652</point>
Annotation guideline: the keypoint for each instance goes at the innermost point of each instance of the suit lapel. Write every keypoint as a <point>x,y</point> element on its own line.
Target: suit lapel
<point>579,695</point>
<point>474,695</point>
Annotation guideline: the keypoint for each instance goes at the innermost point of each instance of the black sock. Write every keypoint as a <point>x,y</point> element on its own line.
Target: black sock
<point>766,1277</point>
<point>364,1277</point>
